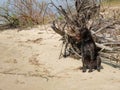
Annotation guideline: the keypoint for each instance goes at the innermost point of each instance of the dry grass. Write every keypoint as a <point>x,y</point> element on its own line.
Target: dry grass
<point>25,13</point>
<point>111,3</point>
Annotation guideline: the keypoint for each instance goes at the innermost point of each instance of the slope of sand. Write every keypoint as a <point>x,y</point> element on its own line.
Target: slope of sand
<point>29,61</point>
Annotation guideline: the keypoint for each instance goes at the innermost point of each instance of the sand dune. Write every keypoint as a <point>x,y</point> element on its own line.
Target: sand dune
<point>29,61</point>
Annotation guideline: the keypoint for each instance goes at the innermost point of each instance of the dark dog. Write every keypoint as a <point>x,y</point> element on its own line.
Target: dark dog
<point>89,52</point>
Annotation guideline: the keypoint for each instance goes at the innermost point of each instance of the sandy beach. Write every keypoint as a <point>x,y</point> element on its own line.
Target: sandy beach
<point>29,60</point>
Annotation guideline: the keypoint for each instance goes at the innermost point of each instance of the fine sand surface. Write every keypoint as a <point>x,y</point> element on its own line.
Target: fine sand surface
<point>29,61</point>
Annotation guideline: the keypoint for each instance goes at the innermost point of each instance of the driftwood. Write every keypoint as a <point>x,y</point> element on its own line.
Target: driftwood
<point>87,13</point>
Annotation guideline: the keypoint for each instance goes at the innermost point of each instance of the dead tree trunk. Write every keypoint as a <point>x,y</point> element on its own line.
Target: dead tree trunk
<point>87,14</point>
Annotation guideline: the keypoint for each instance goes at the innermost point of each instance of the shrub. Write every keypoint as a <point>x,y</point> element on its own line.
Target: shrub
<point>22,13</point>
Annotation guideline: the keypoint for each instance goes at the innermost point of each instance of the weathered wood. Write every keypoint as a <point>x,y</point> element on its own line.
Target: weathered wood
<point>57,30</point>
<point>103,47</point>
<point>102,29</point>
